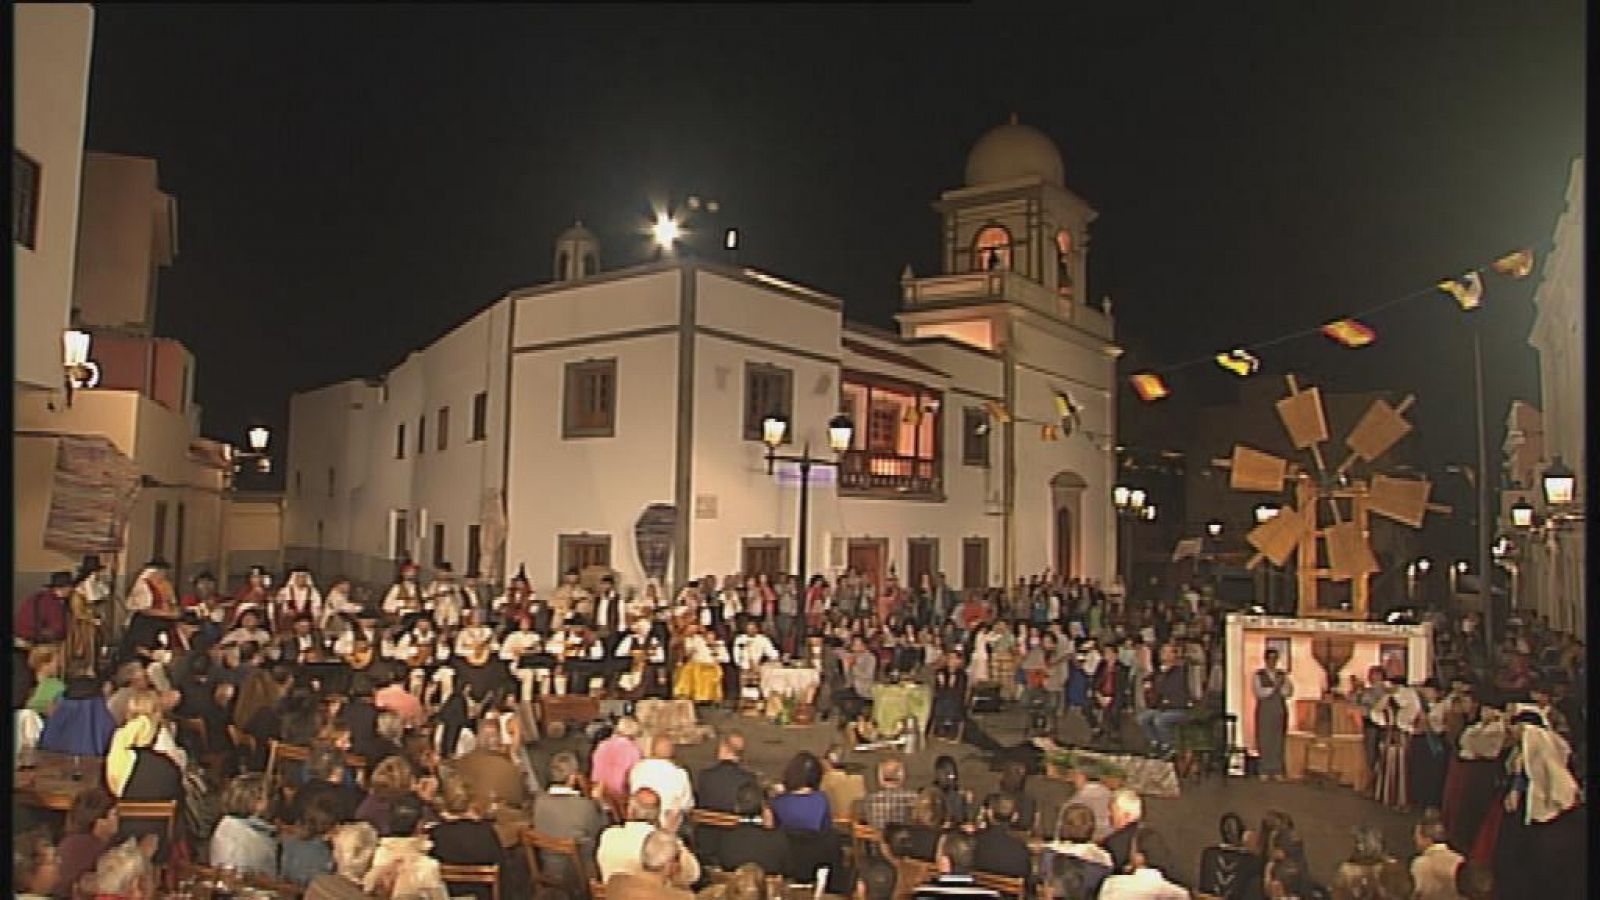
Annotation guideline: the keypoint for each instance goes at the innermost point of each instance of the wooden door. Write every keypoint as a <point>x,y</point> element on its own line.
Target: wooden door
<point>868,558</point>
<point>1063,544</point>
<point>922,558</point>
<point>975,563</point>
<point>769,557</point>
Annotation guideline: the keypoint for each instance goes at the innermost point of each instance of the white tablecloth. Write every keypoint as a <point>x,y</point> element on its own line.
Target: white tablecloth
<point>779,679</point>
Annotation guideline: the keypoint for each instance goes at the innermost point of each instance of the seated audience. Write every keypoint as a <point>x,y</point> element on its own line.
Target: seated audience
<point>1434,868</point>
<point>1077,858</point>
<point>401,863</point>
<point>620,845</point>
<point>391,780</point>
<point>91,825</point>
<point>752,841</point>
<point>243,840</point>
<point>998,847</point>
<point>1145,876</point>
<point>1228,869</point>
<point>720,783</point>
<point>325,774</point>
<point>1014,782</point>
<point>308,854</point>
<point>655,876</point>
<point>843,789</point>
<point>919,837</point>
<point>563,811</point>
<point>875,881</point>
<point>36,871</point>
<point>801,806</point>
<point>891,803</point>
<point>954,881</point>
<point>354,846</point>
<point>124,873</point>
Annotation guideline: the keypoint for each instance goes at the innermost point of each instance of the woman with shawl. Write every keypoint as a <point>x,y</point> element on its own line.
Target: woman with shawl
<point>1536,833</point>
<point>136,772</point>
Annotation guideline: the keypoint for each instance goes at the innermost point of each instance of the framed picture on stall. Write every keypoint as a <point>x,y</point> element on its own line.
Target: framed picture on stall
<point>1395,659</point>
<point>1281,644</point>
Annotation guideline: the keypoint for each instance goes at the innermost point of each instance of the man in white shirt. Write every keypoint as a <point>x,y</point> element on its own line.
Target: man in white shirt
<point>620,845</point>
<point>298,595</point>
<point>1145,879</point>
<point>444,598</point>
<point>404,595</point>
<point>668,779</point>
<point>1433,871</point>
<point>753,648</point>
<point>1096,797</point>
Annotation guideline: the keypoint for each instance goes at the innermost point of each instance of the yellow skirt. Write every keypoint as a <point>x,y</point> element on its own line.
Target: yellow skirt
<point>700,682</point>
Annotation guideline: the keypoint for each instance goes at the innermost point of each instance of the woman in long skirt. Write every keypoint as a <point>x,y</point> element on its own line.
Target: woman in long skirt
<point>1272,689</point>
<point>1392,785</point>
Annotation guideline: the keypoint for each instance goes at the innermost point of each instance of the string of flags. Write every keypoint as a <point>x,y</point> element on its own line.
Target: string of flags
<point>1068,421</point>
<point>1352,332</point>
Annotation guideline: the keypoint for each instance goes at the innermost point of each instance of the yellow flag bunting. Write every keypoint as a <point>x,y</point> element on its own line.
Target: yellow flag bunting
<point>1350,331</point>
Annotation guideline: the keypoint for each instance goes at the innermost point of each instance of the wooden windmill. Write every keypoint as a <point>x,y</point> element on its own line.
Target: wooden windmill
<point>1325,526</point>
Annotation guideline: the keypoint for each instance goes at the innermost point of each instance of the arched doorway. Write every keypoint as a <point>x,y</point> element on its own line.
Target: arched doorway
<point>1066,504</point>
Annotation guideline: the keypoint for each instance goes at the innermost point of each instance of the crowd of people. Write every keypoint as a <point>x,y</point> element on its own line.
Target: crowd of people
<point>424,749</point>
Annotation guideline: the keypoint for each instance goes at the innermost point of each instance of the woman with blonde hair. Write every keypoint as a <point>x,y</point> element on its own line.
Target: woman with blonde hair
<point>45,661</point>
<point>135,771</point>
<point>244,840</point>
<point>391,779</point>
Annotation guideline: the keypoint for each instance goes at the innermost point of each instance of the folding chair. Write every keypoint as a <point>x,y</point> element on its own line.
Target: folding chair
<point>535,843</point>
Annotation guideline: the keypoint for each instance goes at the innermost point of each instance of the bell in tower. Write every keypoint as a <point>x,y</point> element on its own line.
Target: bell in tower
<point>577,254</point>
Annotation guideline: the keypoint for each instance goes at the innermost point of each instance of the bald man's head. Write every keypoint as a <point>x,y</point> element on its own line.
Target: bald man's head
<point>731,747</point>
<point>661,747</point>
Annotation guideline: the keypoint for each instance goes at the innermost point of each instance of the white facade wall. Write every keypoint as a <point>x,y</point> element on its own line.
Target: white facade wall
<point>52,44</point>
<point>596,485</point>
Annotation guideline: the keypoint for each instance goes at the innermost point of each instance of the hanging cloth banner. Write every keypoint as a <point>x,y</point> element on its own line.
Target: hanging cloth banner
<point>92,495</point>
<point>1468,291</point>
<point>1515,265</point>
<point>1350,333</point>
<point>652,536</point>
<point>1149,386</point>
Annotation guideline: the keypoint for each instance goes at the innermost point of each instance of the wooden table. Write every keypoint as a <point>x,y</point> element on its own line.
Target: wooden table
<point>50,785</point>
<point>580,708</point>
<point>1341,757</point>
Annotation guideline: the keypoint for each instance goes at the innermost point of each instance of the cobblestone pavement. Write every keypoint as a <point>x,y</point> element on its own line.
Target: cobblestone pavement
<point>1324,815</point>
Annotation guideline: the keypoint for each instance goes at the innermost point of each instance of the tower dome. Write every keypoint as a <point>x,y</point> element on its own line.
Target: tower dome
<point>577,254</point>
<point>1012,151</point>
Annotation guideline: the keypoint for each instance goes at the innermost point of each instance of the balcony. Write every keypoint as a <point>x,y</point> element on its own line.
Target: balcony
<point>864,474</point>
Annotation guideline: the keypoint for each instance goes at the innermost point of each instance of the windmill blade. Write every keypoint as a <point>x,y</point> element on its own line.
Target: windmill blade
<point>1253,470</point>
<point>1404,500</point>
<point>1277,537</point>
<point>1349,555</point>
<point>1379,429</point>
<point>1302,417</point>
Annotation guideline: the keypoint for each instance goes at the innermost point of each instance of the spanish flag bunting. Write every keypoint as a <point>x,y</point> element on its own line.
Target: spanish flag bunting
<point>1515,265</point>
<point>1149,386</point>
<point>1064,407</point>
<point>998,411</point>
<point>1049,433</point>
<point>1239,361</point>
<point>1468,291</point>
<point>1349,332</point>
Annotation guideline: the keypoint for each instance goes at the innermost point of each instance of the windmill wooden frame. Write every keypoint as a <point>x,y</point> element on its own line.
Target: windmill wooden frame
<point>1339,551</point>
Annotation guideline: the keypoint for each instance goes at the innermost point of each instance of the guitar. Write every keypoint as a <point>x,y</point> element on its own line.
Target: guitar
<point>361,655</point>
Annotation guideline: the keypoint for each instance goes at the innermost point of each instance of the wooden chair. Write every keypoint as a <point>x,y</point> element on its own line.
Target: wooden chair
<point>535,843</point>
<point>713,819</point>
<point>278,753</point>
<point>1005,885</point>
<point>243,740</point>
<point>862,837</point>
<point>911,874</point>
<point>152,810</point>
<point>472,875</point>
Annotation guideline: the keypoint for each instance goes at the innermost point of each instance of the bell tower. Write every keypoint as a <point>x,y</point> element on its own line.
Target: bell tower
<point>577,254</point>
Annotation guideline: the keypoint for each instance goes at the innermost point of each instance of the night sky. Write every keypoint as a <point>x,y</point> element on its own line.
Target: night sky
<point>352,182</point>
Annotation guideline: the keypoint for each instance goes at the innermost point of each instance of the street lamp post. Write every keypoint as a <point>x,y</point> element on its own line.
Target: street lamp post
<point>1264,513</point>
<point>773,430</point>
<point>1130,504</point>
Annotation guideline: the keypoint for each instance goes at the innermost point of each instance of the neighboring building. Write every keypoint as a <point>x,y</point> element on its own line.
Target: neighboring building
<point>1550,564</point>
<point>538,431</point>
<point>143,405</point>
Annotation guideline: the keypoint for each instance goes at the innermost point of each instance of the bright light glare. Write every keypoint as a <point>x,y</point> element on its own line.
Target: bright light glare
<point>666,231</point>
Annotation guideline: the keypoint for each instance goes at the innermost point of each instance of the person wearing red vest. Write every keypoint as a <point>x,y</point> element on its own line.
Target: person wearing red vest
<point>42,618</point>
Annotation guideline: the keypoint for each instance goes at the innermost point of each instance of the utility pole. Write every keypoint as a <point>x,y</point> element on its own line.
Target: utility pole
<point>1485,581</point>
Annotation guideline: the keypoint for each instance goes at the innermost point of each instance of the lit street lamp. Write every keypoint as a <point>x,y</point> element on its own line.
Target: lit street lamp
<point>1265,512</point>
<point>257,438</point>
<point>80,371</point>
<point>1522,514</point>
<point>1559,484</point>
<point>1214,528</point>
<point>840,434</point>
<point>1130,505</point>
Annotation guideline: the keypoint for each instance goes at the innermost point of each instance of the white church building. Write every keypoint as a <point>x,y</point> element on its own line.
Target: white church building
<point>538,432</point>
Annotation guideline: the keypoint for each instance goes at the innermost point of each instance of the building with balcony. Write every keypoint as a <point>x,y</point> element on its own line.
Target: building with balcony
<point>1549,562</point>
<point>118,468</point>
<point>539,431</point>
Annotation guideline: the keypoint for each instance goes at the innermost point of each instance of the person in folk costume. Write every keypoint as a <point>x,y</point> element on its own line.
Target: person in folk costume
<point>1428,758</point>
<point>473,655</point>
<point>567,598</point>
<point>750,650</point>
<point>1272,689</point>
<point>1535,834</point>
<point>517,599</point>
<point>731,599</point>
<point>249,629</point>
<point>699,676</point>
<point>299,595</point>
<point>422,649</point>
<point>816,604</point>
<point>891,599</point>
<point>444,599</point>
<point>302,644</point>
<point>521,649</point>
<point>404,596</point>
<point>83,620</point>
<point>154,605</point>
<point>339,608</point>
<point>474,595</point>
<point>1396,718</point>
<point>254,592</point>
<point>608,607</point>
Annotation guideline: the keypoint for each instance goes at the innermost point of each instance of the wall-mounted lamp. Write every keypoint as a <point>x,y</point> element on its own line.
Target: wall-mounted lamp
<point>79,370</point>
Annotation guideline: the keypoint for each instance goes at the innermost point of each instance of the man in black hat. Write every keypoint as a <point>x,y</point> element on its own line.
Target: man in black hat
<point>89,607</point>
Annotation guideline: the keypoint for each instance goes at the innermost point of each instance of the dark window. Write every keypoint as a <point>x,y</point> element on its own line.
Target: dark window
<point>767,390</point>
<point>474,547</point>
<point>177,544</point>
<point>974,437</point>
<point>975,563</point>
<point>922,558</point>
<point>444,427</point>
<point>561,266</point>
<point>400,441</point>
<point>330,482</point>
<point>438,544</point>
<point>480,415</point>
<point>298,483</point>
<point>422,433</point>
<point>397,537</point>
<point>24,200</point>
<point>580,551</point>
<point>765,556</point>
<point>590,265</point>
<point>591,399</point>
<point>158,539</point>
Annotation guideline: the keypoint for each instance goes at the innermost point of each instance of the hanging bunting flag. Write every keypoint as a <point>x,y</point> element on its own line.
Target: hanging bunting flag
<point>1349,332</point>
<point>1149,386</point>
<point>1515,265</point>
<point>912,414</point>
<point>1468,291</point>
<point>1067,412</point>
<point>1049,433</point>
<point>997,411</point>
<point>1239,361</point>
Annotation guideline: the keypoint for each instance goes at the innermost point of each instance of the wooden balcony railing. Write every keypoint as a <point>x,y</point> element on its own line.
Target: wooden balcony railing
<point>890,475</point>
